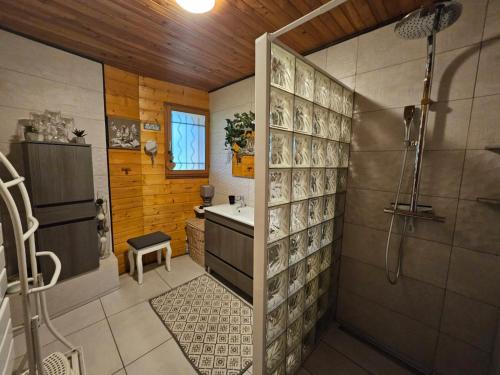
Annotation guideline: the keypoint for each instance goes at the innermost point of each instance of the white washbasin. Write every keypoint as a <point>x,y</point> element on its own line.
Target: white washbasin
<point>243,215</point>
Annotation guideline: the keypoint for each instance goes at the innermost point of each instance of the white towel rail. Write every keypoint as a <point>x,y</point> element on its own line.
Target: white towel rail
<point>30,286</point>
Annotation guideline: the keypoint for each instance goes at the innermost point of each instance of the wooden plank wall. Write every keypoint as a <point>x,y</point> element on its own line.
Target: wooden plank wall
<point>145,201</point>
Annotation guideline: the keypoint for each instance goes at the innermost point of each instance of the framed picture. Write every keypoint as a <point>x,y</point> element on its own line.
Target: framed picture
<point>124,133</point>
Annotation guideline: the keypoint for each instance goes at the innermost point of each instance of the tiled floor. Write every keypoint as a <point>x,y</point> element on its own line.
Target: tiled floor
<point>120,334</point>
<point>341,354</point>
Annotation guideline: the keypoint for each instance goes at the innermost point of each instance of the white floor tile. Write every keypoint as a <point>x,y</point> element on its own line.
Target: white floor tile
<point>131,293</point>
<point>137,330</point>
<point>66,324</point>
<point>99,349</point>
<point>165,359</point>
<point>183,270</point>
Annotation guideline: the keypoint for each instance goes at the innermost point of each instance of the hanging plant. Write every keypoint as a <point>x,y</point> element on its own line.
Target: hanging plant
<point>237,132</point>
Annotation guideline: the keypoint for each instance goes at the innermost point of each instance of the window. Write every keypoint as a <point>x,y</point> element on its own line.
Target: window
<point>187,141</point>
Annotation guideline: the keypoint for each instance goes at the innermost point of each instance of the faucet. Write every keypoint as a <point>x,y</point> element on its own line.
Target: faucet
<point>241,201</point>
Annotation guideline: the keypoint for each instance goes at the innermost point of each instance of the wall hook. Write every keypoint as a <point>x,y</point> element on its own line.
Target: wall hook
<point>126,170</point>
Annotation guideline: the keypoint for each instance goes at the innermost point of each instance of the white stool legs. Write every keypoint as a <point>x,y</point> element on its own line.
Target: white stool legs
<point>131,261</point>
<point>168,255</point>
<point>139,267</point>
<point>139,253</point>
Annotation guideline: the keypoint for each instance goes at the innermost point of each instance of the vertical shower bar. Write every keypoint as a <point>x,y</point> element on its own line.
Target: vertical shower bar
<point>425,104</point>
<point>262,76</point>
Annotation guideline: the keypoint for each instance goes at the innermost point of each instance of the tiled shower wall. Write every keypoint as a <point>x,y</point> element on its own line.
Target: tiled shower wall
<point>224,103</point>
<point>35,77</point>
<point>443,314</point>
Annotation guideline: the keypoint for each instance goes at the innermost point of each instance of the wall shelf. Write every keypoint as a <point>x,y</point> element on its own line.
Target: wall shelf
<point>494,148</point>
<point>492,201</point>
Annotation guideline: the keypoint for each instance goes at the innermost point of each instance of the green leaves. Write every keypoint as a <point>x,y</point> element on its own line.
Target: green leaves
<point>237,128</point>
<point>80,132</point>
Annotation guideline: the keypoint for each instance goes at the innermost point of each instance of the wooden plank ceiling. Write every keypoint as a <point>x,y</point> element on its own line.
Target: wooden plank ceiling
<point>157,38</point>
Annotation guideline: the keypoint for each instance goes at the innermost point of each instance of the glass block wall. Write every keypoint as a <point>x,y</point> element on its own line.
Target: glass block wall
<point>309,134</point>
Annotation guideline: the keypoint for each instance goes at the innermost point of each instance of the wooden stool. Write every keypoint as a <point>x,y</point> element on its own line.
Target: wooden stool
<point>156,241</point>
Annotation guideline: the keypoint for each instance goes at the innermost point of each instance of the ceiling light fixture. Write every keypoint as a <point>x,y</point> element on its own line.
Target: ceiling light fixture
<point>196,6</point>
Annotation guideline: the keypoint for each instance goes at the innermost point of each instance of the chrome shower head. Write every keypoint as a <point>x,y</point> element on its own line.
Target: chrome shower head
<point>422,22</point>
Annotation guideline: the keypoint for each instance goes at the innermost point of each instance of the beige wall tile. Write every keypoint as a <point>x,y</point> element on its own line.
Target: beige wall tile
<point>390,87</point>
<point>224,106</point>
<point>35,93</point>
<point>384,130</point>
<point>470,320</point>
<point>341,59</point>
<point>366,207</point>
<point>454,74</point>
<point>475,275</point>
<point>481,176</point>
<point>420,301</point>
<point>467,29</point>
<point>27,56</point>
<point>378,130</point>
<point>318,58</point>
<point>399,85</point>
<point>380,170</point>
<point>488,79</point>
<point>456,357</point>
<point>423,260</point>
<point>484,125</point>
<point>383,47</point>
<point>237,94</point>
<point>448,125</point>
<point>478,226</point>
<point>492,24</point>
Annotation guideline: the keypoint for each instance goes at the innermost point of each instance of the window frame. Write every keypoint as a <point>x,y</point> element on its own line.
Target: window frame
<point>169,173</point>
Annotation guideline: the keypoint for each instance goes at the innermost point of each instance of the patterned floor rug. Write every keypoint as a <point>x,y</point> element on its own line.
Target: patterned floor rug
<point>211,324</point>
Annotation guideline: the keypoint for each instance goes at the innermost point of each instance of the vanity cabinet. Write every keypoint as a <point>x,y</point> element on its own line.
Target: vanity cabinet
<point>229,250</point>
<point>59,180</point>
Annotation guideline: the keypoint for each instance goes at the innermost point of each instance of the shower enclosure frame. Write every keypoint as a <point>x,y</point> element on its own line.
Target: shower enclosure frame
<point>262,111</point>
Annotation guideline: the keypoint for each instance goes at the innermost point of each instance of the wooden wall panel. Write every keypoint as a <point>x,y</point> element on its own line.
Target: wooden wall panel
<point>145,201</point>
<point>122,99</point>
<point>167,202</point>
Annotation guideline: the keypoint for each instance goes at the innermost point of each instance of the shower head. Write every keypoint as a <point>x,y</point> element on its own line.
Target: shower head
<point>422,22</point>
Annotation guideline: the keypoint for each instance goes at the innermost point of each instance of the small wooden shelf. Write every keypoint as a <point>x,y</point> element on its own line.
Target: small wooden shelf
<point>492,201</point>
<point>494,148</point>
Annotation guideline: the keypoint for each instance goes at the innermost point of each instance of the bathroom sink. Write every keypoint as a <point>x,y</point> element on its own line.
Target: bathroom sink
<point>242,214</point>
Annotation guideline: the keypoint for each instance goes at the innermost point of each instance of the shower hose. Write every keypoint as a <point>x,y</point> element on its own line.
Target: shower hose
<point>391,279</point>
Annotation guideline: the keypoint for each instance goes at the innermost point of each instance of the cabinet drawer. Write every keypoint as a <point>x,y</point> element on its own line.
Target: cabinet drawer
<point>230,246</point>
<point>75,244</point>
<point>235,277</point>
<point>58,173</point>
<point>63,213</point>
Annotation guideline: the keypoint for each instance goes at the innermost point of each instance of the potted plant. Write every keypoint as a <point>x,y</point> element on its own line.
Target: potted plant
<point>31,133</point>
<point>237,132</point>
<point>79,136</point>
